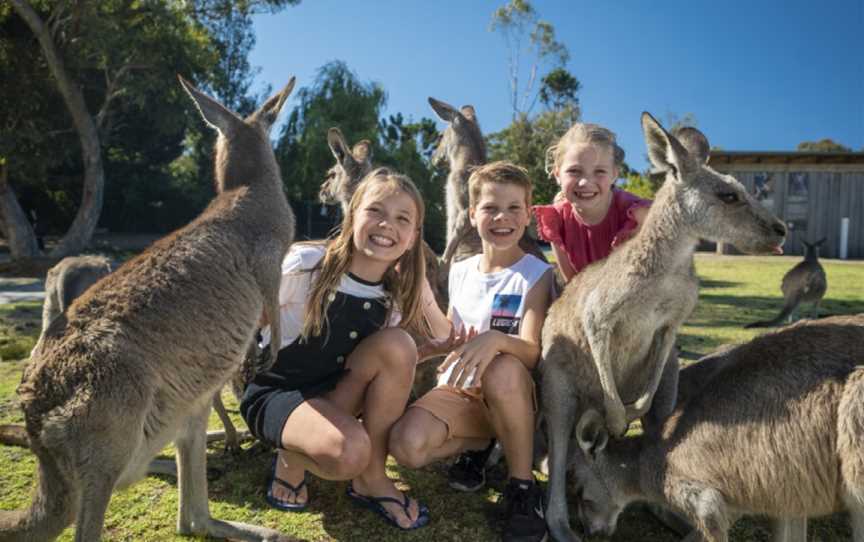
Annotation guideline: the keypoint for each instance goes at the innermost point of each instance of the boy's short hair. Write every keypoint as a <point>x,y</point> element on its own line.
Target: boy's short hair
<point>501,172</point>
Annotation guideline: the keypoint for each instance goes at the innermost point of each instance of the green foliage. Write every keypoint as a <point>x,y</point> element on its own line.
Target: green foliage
<point>336,98</point>
<point>640,185</point>
<point>823,145</point>
<point>125,56</point>
<point>558,90</point>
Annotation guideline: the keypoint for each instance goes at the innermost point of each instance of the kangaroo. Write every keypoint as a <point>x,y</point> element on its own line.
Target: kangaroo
<point>352,164</point>
<point>607,339</point>
<point>804,283</point>
<point>66,281</point>
<point>771,427</point>
<point>134,362</point>
<point>463,147</point>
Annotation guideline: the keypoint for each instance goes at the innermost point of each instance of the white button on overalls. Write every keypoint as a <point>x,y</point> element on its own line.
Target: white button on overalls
<point>353,334</point>
<point>367,305</point>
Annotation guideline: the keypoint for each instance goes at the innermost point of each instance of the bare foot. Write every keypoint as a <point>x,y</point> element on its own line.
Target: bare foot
<point>386,488</point>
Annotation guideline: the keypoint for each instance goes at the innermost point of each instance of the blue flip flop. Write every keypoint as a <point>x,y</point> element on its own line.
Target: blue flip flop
<point>376,505</point>
<point>279,504</point>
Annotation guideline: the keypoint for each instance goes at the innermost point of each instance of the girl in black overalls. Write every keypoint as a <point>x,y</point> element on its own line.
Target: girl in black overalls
<point>340,303</point>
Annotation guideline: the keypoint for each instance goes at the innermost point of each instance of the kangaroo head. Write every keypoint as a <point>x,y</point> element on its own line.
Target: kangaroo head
<point>713,206</point>
<point>352,164</point>
<point>462,140</point>
<point>598,501</point>
<point>244,155</point>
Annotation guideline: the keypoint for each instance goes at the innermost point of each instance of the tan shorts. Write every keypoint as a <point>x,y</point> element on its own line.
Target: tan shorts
<point>465,413</point>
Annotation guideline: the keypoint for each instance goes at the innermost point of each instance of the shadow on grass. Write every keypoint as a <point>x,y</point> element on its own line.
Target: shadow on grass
<point>710,283</point>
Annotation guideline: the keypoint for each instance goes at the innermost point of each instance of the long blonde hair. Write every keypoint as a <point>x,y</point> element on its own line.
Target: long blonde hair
<point>404,287</point>
<point>580,132</point>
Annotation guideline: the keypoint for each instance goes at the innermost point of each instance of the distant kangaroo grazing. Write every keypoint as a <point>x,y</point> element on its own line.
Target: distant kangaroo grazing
<point>771,427</point>
<point>804,283</point>
<point>135,361</point>
<point>463,147</point>
<point>67,280</point>
<point>607,340</point>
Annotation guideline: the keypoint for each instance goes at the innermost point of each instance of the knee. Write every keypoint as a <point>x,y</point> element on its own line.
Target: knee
<point>408,445</point>
<point>506,378</point>
<point>344,454</point>
<point>398,351</point>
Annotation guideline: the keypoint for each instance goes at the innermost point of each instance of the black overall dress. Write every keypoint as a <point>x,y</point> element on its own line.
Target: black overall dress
<point>307,369</point>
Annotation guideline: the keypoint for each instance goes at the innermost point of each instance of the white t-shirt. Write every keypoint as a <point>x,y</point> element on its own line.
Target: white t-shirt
<point>491,300</point>
<point>295,286</point>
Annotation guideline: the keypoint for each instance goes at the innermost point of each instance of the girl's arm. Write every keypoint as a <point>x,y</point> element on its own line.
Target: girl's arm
<point>437,321</point>
<point>478,353</point>
<point>563,262</point>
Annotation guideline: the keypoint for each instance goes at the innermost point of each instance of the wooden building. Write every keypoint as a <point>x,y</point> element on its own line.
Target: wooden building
<point>811,191</point>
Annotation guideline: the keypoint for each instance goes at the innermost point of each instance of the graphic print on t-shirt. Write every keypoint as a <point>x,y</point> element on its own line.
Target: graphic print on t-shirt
<point>504,309</point>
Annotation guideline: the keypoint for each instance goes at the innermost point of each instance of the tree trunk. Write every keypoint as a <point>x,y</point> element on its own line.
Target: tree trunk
<point>82,228</point>
<point>19,233</point>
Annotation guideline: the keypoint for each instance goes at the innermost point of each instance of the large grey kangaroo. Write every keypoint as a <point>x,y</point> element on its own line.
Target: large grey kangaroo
<point>134,363</point>
<point>607,339</point>
<point>804,283</point>
<point>771,427</point>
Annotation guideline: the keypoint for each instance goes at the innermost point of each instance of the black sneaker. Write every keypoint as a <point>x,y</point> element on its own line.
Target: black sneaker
<point>468,473</point>
<point>523,509</point>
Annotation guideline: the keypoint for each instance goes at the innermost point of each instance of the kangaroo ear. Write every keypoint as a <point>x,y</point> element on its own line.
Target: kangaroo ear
<point>695,142</point>
<point>214,113</point>
<point>591,433</point>
<point>445,111</point>
<point>268,112</point>
<point>338,146</point>
<point>362,151</point>
<point>665,152</point>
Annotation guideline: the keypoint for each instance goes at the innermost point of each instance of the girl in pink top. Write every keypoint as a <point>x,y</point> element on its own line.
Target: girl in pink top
<point>590,216</point>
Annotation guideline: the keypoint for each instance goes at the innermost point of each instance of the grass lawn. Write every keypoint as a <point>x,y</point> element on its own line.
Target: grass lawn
<point>735,290</point>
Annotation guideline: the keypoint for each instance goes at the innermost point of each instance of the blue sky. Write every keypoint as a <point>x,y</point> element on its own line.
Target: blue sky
<point>757,75</point>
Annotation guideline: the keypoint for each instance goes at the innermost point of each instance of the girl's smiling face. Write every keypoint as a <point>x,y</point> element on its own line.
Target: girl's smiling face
<point>385,226</point>
<point>586,175</point>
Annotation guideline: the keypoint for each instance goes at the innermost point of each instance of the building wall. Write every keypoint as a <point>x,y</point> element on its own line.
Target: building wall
<point>812,199</point>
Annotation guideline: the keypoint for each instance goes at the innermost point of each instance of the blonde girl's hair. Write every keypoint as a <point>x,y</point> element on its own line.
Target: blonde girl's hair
<point>501,172</point>
<point>593,134</point>
<point>404,287</point>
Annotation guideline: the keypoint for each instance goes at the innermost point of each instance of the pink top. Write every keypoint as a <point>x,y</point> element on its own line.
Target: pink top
<point>583,243</point>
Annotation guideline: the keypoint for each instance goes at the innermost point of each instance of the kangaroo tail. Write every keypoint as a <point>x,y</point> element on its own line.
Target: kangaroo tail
<point>51,511</point>
<point>787,310</point>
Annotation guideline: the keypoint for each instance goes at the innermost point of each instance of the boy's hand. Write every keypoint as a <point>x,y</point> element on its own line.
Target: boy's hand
<point>471,359</point>
<point>439,347</point>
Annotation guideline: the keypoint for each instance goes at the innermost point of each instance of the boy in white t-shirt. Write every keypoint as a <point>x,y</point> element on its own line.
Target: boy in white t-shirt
<point>498,300</point>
